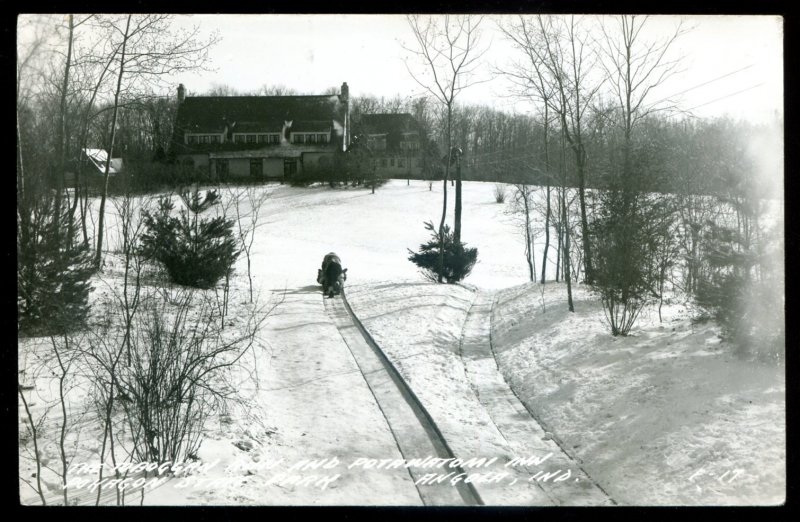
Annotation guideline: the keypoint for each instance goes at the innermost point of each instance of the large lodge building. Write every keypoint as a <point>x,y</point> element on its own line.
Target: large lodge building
<point>276,137</point>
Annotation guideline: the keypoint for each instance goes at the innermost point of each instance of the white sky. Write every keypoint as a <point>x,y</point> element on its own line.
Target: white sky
<point>314,52</point>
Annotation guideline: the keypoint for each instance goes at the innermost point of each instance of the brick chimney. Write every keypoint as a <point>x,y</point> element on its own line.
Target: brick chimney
<point>181,93</point>
<point>344,97</point>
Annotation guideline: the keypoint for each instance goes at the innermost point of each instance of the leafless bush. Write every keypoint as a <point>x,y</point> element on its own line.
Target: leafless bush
<point>246,203</point>
<point>179,373</point>
<point>500,193</point>
<point>33,427</point>
<point>52,419</point>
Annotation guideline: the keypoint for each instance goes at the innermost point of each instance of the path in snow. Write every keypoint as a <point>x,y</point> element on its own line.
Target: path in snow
<point>314,399</point>
<point>416,435</point>
<point>520,430</point>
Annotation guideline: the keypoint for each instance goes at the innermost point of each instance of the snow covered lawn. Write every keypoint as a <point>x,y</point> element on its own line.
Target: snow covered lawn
<point>666,416</point>
<point>650,417</point>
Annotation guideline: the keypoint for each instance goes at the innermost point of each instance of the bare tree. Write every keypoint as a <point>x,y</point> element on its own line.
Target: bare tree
<point>148,51</point>
<point>567,53</point>
<point>32,425</point>
<point>532,80</point>
<point>634,67</point>
<point>523,206</point>
<point>449,50</point>
<point>276,90</point>
<point>633,228</point>
<point>247,221</point>
<point>61,146</point>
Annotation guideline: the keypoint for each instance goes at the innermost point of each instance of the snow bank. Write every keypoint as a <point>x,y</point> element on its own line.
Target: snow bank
<point>666,416</point>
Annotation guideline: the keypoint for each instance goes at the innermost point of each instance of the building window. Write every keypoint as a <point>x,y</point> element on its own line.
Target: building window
<point>256,168</point>
<point>204,139</point>
<point>289,167</point>
<point>401,163</point>
<point>251,138</point>
<point>222,168</point>
<point>238,138</point>
<point>311,138</point>
<point>391,162</point>
<point>322,138</point>
<point>262,138</point>
<point>383,162</point>
<point>274,139</point>
<point>298,138</point>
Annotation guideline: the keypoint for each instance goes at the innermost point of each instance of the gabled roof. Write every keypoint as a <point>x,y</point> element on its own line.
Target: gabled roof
<point>311,126</point>
<point>393,126</point>
<point>97,157</point>
<point>262,113</point>
<point>386,123</point>
<point>252,126</point>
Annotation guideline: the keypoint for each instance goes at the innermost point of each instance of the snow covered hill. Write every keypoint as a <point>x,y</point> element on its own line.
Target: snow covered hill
<point>665,416</point>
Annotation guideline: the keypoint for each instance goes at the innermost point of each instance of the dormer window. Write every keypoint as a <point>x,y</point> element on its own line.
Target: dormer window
<point>271,138</point>
<point>202,139</point>
<point>310,137</point>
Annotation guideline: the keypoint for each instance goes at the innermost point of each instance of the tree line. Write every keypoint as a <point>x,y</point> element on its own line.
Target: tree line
<point>648,199</point>
<point>595,139</point>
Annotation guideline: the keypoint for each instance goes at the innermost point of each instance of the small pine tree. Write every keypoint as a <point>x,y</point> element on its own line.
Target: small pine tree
<point>53,272</point>
<point>195,252</point>
<point>458,260</point>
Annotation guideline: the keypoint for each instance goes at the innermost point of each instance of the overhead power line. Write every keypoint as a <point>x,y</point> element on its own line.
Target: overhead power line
<point>707,82</point>
<point>727,96</point>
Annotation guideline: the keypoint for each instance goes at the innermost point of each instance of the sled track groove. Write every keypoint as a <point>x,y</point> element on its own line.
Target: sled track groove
<point>537,419</point>
<point>416,434</point>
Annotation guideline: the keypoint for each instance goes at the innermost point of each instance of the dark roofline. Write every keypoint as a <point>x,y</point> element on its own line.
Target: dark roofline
<point>389,114</point>
<point>260,97</point>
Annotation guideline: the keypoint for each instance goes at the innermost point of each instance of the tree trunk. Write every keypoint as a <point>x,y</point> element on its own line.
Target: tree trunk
<point>587,249</point>
<point>566,262</point>
<point>457,223</point>
<point>444,197</point>
<point>547,173</point>
<point>546,235</point>
<point>565,224</point>
<point>101,217</point>
<point>61,143</point>
<point>522,196</point>
<point>558,251</point>
<point>84,213</point>
<point>24,231</point>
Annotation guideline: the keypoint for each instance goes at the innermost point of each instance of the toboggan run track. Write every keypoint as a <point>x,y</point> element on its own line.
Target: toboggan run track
<point>417,435</point>
<point>414,431</point>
